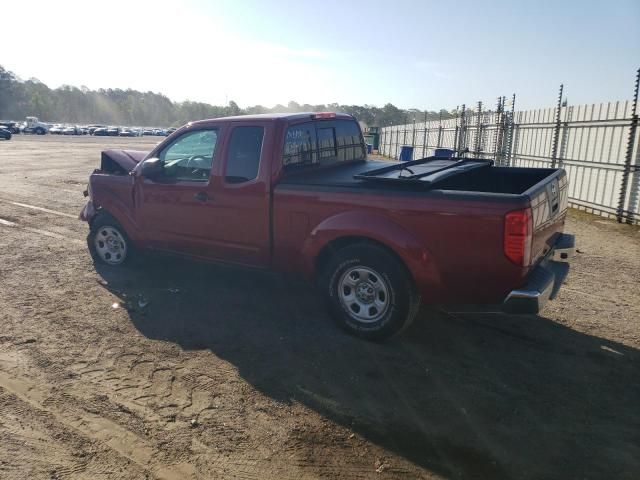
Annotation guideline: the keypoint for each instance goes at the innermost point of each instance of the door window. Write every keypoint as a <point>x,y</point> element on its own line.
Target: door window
<point>243,157</point>
<point>190,157</point>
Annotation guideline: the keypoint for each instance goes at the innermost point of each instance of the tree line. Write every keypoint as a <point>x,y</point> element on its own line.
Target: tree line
<point>69,104</point>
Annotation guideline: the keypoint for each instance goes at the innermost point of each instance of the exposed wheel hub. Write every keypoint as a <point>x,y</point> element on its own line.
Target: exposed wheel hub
<point>113,244</point>
<point>364,294</point>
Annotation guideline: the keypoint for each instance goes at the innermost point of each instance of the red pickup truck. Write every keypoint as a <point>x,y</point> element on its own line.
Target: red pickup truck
<point>295,193</point>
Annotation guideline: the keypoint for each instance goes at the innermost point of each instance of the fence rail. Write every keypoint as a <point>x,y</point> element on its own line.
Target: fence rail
<point>598,145</point>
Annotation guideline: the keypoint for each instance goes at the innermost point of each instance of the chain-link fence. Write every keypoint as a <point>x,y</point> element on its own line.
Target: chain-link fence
<point>597,144</point>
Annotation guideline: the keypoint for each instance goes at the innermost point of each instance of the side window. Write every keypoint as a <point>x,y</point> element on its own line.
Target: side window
<point>349,140</point>
<point>300,146</point>
<point>243,157</point>
<point>190,156</point>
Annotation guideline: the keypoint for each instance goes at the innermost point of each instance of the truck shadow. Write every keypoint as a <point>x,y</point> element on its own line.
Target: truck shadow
<point>464,395</point>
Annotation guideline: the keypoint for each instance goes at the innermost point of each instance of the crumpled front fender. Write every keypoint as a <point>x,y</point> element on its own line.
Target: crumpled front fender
<point>88,212</point>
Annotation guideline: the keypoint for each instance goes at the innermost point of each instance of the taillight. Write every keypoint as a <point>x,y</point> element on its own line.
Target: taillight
<point>518,231</point>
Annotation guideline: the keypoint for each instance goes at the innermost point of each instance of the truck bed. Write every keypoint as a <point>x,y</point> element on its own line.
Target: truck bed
<point>457,175</point>
<point>467,207</point>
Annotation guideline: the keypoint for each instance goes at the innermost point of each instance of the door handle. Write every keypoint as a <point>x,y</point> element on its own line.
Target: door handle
<point>201,196</point>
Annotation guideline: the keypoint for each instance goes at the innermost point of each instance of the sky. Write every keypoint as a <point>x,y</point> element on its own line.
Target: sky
<point>415,54</point>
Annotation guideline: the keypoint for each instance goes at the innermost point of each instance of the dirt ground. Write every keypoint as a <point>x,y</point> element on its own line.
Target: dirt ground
<point>238,374</point>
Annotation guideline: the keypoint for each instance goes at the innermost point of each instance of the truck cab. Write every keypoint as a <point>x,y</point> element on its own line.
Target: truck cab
<point>33,125</point>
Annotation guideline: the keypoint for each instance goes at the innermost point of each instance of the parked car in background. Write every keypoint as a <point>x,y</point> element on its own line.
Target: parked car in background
<point>92,128</point>
<point>170,130</point>
<point>113,131</point>
<point>5,133</point>
<point>296,193</point>
<point>100,132</point>
<point>73,130</point>
<point>56,129</point>
<point>147,131</point>
<point>12,126</point>
<point>126,132</point>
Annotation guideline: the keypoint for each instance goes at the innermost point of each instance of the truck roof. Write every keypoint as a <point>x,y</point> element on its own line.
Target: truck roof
<point>271,116</point>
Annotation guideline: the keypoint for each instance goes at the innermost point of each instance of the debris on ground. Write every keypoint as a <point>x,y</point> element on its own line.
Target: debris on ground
<point>381,466</point>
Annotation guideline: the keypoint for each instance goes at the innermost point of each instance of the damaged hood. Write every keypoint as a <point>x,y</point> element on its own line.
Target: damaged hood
<point>115,161</point>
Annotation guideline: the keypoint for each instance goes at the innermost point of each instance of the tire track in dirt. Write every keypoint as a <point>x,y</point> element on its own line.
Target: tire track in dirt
<point>116,437</point>
<point>38,231</point>
<point>40,209</point>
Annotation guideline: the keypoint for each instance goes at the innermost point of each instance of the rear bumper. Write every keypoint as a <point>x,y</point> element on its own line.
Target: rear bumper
<point>544,281</point>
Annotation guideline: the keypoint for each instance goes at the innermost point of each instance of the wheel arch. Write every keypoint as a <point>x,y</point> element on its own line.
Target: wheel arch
<point>120,217</point>
<point>349,228</point>
<point>339,243</point>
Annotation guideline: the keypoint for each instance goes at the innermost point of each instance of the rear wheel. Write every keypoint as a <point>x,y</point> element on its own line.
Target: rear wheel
<point>40,131</point>
<point>370,292</point>
<point>108,242</point>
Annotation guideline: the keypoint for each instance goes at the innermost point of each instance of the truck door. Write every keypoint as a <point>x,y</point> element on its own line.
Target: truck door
<point>240,206</point>
<point>174,207</point>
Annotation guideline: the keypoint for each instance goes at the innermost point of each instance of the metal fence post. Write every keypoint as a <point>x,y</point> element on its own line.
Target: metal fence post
<point>391,140</point>
<point>628,156</point>
<point>383,141</point>
<point>462,133</point>
<point>565,135</point>
<point>510,147</point>
<point>439,129</point>
<point>456,132</point>
<point>404,131</point>
<point>413,136</point>
<point>556,130</point>
<point>476,146</point>
<point>391,144</point>
<point>426,136</point>
<point>634,194</point>
<point>497,139</point>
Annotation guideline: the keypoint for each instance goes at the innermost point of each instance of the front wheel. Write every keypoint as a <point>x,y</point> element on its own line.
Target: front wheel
<point>108,242</point>
<point>370,292</point>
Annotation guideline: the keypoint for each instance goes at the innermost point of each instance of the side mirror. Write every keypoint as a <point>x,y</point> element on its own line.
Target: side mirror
<point>151,167</point>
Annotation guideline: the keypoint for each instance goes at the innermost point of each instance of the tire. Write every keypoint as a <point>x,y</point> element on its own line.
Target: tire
<point>108,242</point>
<point>40,131</point>
<point>369,292</point>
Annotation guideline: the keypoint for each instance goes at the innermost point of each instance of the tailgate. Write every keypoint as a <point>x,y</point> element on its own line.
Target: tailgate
<point>549,202</point>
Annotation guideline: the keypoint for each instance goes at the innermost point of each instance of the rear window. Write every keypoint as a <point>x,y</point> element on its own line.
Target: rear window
<point>322,143</point>
<point>300,145</point>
